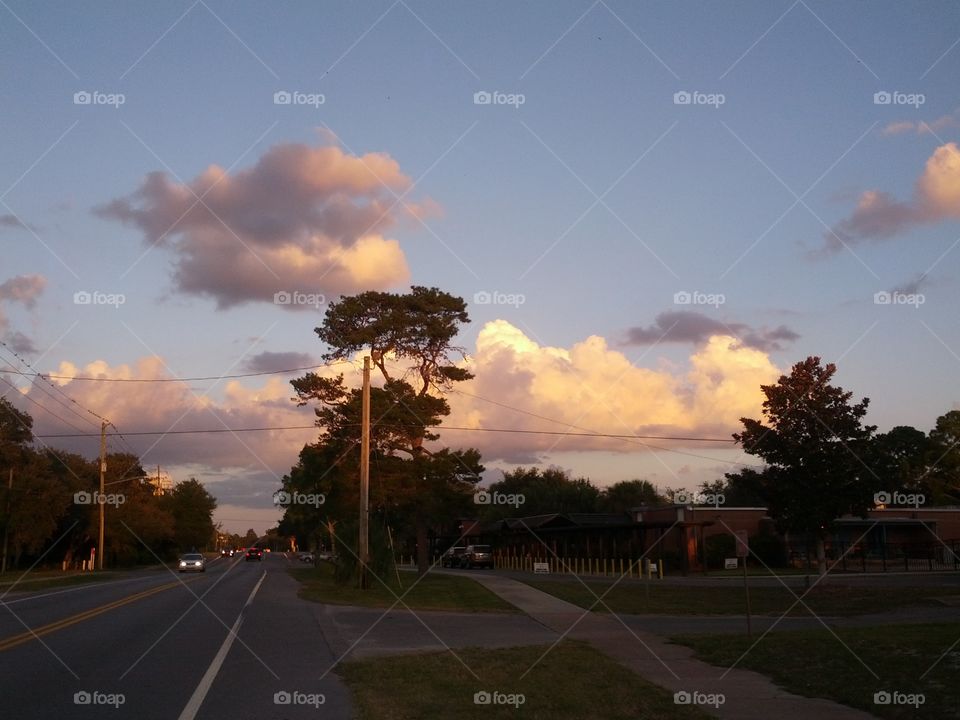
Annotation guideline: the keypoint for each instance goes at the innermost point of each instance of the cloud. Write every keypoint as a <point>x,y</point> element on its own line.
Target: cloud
<point>23,290</point>
<point>591,386</point>
<point>685,326</point>
<point>912,286</point>
<point>878,215</point>
<point>274,361</point>
<point>307,219</point>
<point>12,221</point>
<point>923,128</point>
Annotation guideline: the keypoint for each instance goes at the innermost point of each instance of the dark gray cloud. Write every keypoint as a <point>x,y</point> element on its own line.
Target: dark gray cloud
<point>275,361</point>
<point>687,326</point>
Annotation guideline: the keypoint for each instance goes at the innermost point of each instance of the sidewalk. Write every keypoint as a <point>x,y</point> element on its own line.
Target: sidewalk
<point>749,695</point>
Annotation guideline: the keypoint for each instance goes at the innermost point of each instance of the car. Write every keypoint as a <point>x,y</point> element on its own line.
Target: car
<point>193,562</point>
<point>477,556</point>
<point>452,557</point>
<point>254,553</point>
<point>226,552</point>
<point>305,557</point>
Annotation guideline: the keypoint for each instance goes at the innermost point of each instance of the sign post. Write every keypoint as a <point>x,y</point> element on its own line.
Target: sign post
<point>743,551</point>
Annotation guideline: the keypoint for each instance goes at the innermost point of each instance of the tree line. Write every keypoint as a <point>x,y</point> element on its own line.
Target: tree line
<point>49,512</point>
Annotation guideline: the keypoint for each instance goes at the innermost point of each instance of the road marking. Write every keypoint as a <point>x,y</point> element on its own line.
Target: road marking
<point>15,640</point>
<point>196,700</point>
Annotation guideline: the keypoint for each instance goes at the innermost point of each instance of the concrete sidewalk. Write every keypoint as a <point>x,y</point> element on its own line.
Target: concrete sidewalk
<point>748,695</point>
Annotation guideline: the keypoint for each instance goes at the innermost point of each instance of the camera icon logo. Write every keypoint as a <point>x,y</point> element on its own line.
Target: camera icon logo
<point>282,97</point>
<point>481,697</point>
<point>682,697</point>
<point>482,97</point>
<point>882,698</point>
<point>82,497</point>
<point>882,98</point>
<point>82,98</point>
<point>282,298</point>
<point>682,298</point>
<point>682,97</point>
<point>481,497</point>
<point>82,297</point>
<point>882,498</point>
<point>482,298</point>
<point>683,498</point>
<point>882,298</point>
<point>282,498</point>
<point>82,698</point>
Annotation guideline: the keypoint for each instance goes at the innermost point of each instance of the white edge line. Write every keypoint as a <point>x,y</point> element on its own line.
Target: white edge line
<point>196,700</point>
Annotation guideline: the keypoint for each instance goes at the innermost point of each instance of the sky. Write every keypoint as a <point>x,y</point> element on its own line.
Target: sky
<point>650,208</point>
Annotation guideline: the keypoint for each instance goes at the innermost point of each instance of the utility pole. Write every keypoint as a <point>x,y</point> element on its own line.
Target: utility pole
<point>364,545</point>
<point>103,469</point>
<point>6,528</point>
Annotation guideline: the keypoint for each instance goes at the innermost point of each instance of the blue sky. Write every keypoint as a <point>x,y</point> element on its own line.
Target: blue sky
<point>597,199</point>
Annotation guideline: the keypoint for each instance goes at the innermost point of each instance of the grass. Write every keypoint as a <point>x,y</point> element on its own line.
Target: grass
<point>817,664</point>
<point>571,681</point>
<point>659,599</point>
<point>433,592</point>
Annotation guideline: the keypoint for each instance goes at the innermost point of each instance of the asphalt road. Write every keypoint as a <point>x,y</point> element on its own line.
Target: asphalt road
<point>233,642</point>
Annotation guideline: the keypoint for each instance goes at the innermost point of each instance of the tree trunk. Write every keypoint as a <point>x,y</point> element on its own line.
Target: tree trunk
<point>423,551</point>
<point>821,555</point>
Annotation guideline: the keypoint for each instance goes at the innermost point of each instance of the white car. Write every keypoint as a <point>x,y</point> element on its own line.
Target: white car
<point>305,557</point>
<point>193,562</point>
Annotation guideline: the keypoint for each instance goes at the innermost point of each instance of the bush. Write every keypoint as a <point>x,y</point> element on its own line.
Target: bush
<point>347,570</point>
<point>719,547</point>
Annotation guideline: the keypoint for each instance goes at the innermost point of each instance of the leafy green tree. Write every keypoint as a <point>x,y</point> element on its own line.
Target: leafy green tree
<point>544,491</point>
<point>626,494</point>
<point>944,458</point>
<point>413,332</point>
<point>745,488</point>
<point>251,537</point>
<point>813,441</point>
<point>191,506</point>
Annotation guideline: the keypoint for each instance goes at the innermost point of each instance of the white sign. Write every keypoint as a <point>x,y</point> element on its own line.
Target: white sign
<point>730,563</point>
<point>541,567</point>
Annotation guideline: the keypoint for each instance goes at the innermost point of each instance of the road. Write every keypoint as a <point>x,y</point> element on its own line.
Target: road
<point>165,645</point>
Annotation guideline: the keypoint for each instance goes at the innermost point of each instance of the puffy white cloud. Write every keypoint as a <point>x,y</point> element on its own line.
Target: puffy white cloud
<point>308,219</point>
<point>879,215</point>
<point>595,387</point>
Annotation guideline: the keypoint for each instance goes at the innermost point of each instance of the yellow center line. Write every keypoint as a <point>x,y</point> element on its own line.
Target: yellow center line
<point>15,640</point>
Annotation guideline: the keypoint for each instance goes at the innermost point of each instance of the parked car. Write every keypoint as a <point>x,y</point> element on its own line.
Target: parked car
<point>452,557</point>
<point>477,556</point>
<point>192,562</point>
<point>305,557</point>
<point>254,553</point>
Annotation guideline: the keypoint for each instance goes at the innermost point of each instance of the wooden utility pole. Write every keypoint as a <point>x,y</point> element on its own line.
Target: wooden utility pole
<point>364,545</point>
<point>6,528</point>
<point>103,469</point>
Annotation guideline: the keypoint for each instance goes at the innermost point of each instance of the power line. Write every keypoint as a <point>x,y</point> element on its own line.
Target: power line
<point>44,407</point>
<point>173,379</point>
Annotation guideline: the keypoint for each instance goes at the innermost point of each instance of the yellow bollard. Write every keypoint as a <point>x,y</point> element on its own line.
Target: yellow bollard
<point>660,567</point>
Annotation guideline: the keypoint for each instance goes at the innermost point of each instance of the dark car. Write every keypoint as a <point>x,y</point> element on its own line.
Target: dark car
<point>477,556</point>
<point>254,553</point>
<point>452,557</point>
